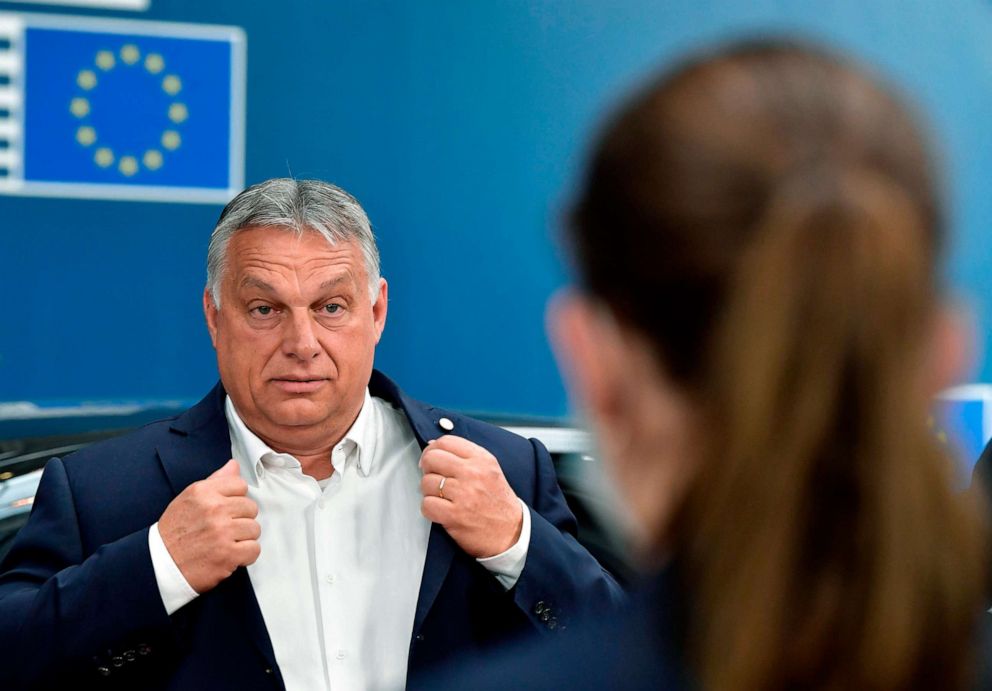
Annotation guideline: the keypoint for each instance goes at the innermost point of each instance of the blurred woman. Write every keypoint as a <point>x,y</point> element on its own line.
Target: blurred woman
<point>755,339</point>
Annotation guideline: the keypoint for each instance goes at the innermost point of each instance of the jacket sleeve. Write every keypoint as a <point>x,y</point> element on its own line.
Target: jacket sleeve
<point>64,612</point>
<point>561,580</point>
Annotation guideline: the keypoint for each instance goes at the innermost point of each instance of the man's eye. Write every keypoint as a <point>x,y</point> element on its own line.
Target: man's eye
<point>332,308</point>
<point>262,310</point>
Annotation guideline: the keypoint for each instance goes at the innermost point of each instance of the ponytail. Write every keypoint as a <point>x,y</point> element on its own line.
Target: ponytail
<point>822,540</point>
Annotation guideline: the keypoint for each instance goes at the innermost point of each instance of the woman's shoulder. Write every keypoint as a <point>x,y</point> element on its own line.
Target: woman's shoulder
<point>637,647</point>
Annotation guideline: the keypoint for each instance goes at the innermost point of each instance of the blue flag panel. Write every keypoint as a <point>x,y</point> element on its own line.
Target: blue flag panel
<point>128,109</point>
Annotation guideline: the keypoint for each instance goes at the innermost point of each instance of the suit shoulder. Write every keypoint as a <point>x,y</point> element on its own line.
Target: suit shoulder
<point>509,447</point>
<point>119,451</point>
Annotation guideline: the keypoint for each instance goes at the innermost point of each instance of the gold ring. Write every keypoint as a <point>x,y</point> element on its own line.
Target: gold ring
<point>440,487</point>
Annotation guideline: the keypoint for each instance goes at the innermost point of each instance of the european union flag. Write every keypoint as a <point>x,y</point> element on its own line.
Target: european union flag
<point>131,109</point>
<point>963,420</point>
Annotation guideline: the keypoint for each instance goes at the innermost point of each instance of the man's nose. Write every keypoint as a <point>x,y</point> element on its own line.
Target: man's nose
<point>300,340</point>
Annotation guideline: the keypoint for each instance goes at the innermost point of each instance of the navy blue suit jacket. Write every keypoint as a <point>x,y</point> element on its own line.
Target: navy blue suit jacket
<point>79,602</point>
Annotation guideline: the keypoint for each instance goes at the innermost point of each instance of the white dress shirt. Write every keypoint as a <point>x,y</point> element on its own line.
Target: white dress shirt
<point>341,560</point>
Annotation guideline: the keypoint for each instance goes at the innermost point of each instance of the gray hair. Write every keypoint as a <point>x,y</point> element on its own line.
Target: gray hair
<point>297,206</point>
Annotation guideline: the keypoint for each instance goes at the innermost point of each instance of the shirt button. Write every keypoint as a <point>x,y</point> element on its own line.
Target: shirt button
<point>446,424</point>
<point>329,578</point>
<point>341,654</point>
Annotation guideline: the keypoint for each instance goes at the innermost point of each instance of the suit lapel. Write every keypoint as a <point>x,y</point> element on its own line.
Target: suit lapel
<point>200,444</point>
<point>441,549</point>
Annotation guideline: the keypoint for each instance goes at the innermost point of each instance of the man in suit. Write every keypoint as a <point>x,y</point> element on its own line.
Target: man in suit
<point>306,525</point>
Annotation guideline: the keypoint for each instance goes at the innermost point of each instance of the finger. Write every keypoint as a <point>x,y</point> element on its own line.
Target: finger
<point>430,486</point>
<point>460,446</point>
<point>229,469</point>
<point>442,462</point>
<point>245,529</point>
<point>228,486</point>
<point>437,510</point>
<point>246,551</point>
<point>241,507</point>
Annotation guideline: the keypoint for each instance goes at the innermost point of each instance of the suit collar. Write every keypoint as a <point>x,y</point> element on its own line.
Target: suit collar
<point>200,443</point>
<point>423,418</point>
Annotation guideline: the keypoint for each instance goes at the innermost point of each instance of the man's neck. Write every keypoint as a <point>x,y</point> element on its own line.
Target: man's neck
<point>315,461</point>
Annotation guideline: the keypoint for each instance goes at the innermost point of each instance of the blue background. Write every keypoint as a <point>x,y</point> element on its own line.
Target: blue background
<point>460,125</point>
<point>129,109</point>
<point>963,422</point>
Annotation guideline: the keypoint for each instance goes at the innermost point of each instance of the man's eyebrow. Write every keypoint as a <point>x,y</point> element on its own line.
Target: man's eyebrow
<point>331,282</point>
<point>253,282</point>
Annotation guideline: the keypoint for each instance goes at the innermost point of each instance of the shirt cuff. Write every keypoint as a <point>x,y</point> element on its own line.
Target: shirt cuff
<point>507,566</point>
<point>172,585</point>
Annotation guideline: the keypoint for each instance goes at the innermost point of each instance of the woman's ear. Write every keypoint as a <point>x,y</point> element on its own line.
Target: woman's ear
<point>952,350</point>
<point>590,353</point>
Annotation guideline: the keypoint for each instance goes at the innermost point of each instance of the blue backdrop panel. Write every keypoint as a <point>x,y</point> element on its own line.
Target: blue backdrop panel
<point>461,126</point>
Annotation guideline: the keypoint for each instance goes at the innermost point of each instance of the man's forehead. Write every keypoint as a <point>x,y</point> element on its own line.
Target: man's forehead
<point>257,252</point>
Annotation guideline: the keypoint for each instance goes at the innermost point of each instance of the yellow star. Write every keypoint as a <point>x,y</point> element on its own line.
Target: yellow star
<point>86,79</point>
<point>172,85</point>
<point>105,60</point>
<point>130,54</point>
<point>104,157</point>
<point>128,165</point>
<point>86,135</point>
<point>154,63</point>
<point>152,159</point>
<point>80,107</point>
<point>171,140</point>
<point>178,112</point>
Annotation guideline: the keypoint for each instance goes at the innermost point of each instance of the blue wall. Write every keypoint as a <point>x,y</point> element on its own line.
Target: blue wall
<point>460,126</point>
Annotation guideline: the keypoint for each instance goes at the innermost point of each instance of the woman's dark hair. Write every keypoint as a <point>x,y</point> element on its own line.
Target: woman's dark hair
<point>767,218</point>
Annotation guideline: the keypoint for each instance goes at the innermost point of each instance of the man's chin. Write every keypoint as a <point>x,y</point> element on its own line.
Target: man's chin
<point>299,413</point>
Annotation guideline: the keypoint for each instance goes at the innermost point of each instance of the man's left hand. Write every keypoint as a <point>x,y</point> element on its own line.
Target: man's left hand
<point>476,504</point>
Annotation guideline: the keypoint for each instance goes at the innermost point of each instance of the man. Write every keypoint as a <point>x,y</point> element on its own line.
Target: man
<point>306,525</point>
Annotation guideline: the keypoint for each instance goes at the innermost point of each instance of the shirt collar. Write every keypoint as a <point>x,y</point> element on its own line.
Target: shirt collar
<point>358,443</point>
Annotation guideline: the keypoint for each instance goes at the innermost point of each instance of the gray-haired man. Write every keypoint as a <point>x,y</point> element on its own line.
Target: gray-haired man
<point>306,525</point>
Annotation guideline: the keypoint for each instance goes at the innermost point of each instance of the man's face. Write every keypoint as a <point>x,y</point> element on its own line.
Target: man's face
<point>295,335</point>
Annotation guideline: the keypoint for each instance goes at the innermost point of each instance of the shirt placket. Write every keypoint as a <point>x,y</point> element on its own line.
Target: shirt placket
<point>329,584</point>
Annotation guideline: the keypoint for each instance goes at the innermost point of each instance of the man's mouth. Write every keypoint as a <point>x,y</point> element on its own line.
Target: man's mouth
<point>299,384</point>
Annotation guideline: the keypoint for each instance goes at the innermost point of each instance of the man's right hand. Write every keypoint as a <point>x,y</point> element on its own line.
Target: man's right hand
<point>210,528</point>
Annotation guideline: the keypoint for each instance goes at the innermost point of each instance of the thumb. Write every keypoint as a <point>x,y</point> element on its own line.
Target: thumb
<point>229,469</point>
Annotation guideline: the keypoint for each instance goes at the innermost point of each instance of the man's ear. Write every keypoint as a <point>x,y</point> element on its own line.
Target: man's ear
<point>379,309</point>
<point>210,312</point>
<point>952,350</point>
<point>590,354</point>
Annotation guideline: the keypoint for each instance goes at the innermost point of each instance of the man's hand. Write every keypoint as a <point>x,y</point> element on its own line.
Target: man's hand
<point>476,505</point>
<point>210,528</point>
